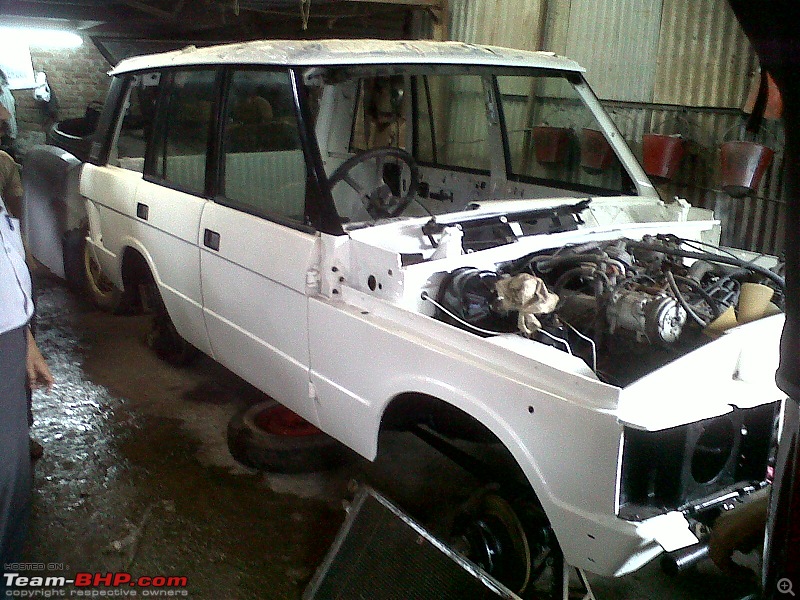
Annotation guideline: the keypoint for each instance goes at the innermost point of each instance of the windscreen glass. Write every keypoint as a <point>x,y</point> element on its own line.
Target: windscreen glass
<point>554,136</point>
<point>416,140</point>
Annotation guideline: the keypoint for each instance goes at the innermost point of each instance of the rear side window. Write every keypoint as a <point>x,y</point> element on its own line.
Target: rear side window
<point>263,163</point>
<point>184,127</point>
<point>136,125</point>
<point>380,114</point>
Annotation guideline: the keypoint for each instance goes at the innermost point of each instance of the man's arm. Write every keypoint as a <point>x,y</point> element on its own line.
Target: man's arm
<point>13,204</point>
<point>38,372</point>
<point>739,529</point>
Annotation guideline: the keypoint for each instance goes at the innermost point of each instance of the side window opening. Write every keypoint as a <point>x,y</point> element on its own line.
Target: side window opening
<point>263,162</point>
<point>451,123</point>
<point>181,141</point>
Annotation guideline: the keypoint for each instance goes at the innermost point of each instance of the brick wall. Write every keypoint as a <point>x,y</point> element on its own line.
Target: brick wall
<point>76,76</point>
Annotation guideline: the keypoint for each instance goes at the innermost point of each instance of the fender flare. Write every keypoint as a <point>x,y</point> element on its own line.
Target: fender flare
<point>491,420</point>
<point>131,244</point>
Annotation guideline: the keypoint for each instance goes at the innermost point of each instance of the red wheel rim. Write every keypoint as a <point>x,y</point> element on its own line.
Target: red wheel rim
<point>279,420</point>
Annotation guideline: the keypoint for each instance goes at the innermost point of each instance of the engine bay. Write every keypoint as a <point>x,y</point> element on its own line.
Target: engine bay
<point>625,307</point>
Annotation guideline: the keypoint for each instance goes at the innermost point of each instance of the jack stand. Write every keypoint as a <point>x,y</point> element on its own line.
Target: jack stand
<point>585,590</point>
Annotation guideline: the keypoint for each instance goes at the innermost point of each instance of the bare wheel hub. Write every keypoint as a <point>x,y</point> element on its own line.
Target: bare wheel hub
<point>516,546</point>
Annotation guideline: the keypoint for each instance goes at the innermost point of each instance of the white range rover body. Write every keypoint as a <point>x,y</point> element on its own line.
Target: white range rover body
<point>448,235</point>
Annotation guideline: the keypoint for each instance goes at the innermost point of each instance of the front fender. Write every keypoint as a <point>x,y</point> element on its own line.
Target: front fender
<point>362,358</point>
<point>568,454</point>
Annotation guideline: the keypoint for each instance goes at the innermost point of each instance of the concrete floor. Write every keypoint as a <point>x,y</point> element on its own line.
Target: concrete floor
<point>136,475</point>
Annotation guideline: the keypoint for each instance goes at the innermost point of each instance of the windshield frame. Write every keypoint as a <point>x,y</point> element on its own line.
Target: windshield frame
<point>633,180</point>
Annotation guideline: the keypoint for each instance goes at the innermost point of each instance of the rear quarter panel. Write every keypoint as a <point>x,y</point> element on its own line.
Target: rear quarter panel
<point>52,205</point>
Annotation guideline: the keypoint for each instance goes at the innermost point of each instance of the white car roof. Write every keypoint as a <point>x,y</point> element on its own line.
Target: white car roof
<point>348,52</point>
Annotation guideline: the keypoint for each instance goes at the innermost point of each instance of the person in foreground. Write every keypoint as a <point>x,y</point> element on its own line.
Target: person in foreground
<point>21,364</point>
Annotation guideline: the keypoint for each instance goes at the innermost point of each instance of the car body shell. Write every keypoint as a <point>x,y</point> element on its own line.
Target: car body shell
<point>331,322</point>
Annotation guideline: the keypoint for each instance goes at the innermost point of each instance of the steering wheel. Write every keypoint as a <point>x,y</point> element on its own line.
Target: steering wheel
<point>381,201</point>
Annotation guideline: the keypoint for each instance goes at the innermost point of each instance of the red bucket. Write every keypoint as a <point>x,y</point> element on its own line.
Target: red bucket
<point>662,155</point>
<point>550,144</point>
<point>596,153</point>
<point>743,166</point>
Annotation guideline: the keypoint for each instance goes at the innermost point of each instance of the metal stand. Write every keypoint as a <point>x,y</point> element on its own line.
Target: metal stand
<point>585,590</point>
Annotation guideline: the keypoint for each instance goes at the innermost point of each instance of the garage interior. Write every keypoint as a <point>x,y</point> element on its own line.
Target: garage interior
<point>136,474</point>
<point>694,77</point>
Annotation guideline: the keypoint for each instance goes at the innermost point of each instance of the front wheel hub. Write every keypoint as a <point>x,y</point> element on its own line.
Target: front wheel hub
<point>493,537</point>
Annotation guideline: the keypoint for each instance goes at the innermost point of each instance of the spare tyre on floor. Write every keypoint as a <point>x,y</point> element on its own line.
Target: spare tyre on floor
<point>270,437</point>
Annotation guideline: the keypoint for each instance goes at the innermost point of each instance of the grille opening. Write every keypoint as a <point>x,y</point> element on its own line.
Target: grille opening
<point>712,450</point>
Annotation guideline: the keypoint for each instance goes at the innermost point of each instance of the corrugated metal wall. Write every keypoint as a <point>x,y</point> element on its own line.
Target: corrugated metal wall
<point>685,52</point>
<point>754,223</point>
<point>704,58</point>
<point>663,66</point>
<point>616,42</point>
<point>511,23</point>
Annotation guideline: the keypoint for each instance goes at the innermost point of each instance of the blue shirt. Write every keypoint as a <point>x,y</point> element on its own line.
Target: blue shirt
<point>16,303</point>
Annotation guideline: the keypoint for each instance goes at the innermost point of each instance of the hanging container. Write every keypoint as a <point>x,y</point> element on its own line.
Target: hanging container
<point>550,144</point>
<point>662,155</point>
<point>596,153</point>
<point>743,166</point>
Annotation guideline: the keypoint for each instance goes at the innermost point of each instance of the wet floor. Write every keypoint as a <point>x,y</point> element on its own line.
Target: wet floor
<point>136,475</point>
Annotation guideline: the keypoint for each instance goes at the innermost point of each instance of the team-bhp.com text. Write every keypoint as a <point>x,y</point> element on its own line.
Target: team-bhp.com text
<point>95,585</point>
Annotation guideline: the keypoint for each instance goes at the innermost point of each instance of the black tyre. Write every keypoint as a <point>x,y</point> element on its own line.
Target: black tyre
<point>271,438</point>
<point>73,248</point>
<point>164,338</point>
<point>84,276</point>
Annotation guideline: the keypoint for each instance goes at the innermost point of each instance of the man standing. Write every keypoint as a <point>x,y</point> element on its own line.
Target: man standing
<point>20,359</point>
<point>11,192</point>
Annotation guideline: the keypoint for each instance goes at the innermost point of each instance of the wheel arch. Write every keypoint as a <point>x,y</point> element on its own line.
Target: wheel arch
<point>136,268</point>
<point>500,474</point>
<point>445,418</point>
<point>415,408</point>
